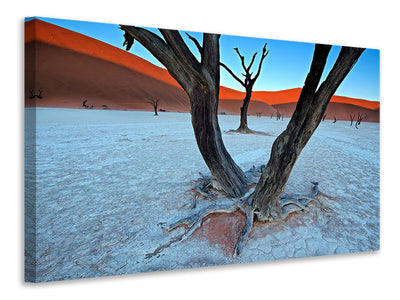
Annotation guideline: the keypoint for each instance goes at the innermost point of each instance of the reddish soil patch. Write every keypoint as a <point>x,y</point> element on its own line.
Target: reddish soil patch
<point>222,229</point>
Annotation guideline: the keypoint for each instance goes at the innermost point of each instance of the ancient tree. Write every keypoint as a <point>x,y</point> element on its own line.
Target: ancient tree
<point>248,84</point>
<point>268,202</point>
<point>200,81</point>
<point>154,103</point>
<point>310,109</point>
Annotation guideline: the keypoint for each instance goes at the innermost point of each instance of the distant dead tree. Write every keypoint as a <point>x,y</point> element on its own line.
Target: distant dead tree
<point>278,115</point>
<point>272,115</point>
<point>248,84</point>
<point>154,102</point>
<point>323,118</point>
<point>40,93</point>
<point>334,121</point>
<point>259,114</point>
<point>32,96</point>
<point>352,119</point>
<point>359,119</point>
<point>84,103</point>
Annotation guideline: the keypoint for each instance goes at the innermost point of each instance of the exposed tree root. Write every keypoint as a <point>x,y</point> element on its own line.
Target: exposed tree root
<point>289,205</point>
<point>193,222</point>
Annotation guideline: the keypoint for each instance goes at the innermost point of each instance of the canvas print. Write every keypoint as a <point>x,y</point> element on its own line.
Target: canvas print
<point>154,149</point>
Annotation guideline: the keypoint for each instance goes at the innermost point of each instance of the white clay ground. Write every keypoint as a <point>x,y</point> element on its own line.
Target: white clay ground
<point>106,180</point>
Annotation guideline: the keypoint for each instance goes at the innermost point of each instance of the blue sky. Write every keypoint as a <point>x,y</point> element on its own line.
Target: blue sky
<point>285,67</point>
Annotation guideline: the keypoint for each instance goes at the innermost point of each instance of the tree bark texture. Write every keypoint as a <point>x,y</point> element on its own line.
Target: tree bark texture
<point>200,80</point>
<point>243,127</point>
<point>310,109</point>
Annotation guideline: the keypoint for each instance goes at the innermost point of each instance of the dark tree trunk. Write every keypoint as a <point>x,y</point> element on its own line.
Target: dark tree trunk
<point>248,84</point>
<point>226,174</point>
<point>310,109</point>
<point>243,128</point>
<point>352,119</point>
<point>200,80</point>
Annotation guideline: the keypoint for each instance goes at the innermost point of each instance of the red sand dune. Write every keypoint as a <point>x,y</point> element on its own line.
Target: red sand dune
<point>71,67</point>
<point>340,111</point>
<point>292,95</point>
<point>232,107</point>
<point>37,30</point>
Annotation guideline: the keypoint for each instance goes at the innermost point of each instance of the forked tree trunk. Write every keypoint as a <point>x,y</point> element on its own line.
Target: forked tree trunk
<point>310,109</point>
<point>200,80</point>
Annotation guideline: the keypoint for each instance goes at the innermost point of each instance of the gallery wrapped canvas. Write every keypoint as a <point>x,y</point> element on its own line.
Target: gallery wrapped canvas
<point>152,149</point>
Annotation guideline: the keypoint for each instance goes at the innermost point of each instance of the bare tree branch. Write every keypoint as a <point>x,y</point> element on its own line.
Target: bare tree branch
<point>241,57</point>
<point>196,42</point>
<point>251,63</point>
<point>177,44</point>
<point>263,56</point>
<point>160,50</point>
<point>233,75</point>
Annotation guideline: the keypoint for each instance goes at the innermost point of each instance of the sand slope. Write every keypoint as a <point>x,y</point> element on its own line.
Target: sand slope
<point>68,77</point>
<point>341,111</point>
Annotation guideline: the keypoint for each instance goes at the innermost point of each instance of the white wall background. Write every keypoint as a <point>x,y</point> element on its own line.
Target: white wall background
<point>371,24</point>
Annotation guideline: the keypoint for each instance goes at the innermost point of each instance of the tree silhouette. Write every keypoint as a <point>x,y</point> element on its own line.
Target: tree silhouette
<point>248,84</point>
<point>32,95</point>
<point>154,102</point>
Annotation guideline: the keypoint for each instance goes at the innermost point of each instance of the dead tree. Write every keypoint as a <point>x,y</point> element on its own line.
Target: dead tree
<point>248,84</point>
<point>154,102</point>
<point>323,118</point>
<point>278,115</point>
<point>201,81</point>
<point>32,95</point>
<point>359,119</point>
<point>310,109</point>
<point>84,103</point>
<point>267,202</point>
<point>334,119</point>
<point>352,119</point>
<point>40,93</point>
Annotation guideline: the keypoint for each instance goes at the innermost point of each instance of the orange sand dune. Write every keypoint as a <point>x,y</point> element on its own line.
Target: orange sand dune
<point>340,111</point>
<point>37,30</point>
<point>232,107</point>
<point>68,78</point>
<point>292,95</point>
<point>71,67</point>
